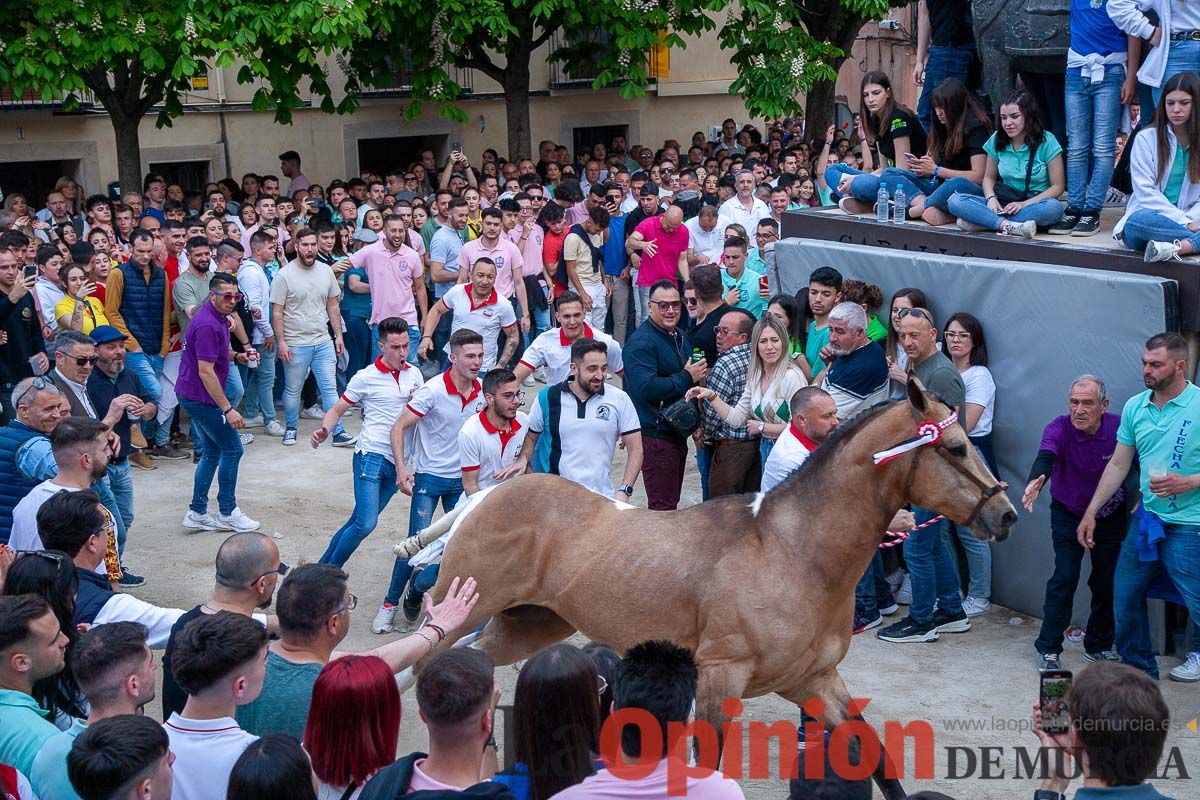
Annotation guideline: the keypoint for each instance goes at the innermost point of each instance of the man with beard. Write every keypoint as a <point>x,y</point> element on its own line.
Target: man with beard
<point>579,446</point>
<point>476,306</point>
<point>489,442</point>
<point>857,377</point>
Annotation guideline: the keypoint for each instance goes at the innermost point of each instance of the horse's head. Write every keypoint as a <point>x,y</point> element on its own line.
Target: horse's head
<point>947,474</point>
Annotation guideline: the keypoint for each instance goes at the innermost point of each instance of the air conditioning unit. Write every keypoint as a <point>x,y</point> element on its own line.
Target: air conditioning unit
<point>889,24</point>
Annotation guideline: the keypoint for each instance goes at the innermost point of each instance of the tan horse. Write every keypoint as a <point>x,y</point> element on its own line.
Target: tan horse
<point>760,587</point>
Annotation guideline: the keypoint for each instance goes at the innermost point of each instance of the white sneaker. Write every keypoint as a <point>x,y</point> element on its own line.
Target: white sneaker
<point>385,619</point>
<point>254,422</point>
<point>1162,251</point>
<point>247,438</point>
<point>1188,671</point>
<point>969,227</point>
<point>904,593</point>
<point>973,606</point>
<point>529,381</point>
<point>274,428</point>
<point>1023,230</point>
<point>237,521</point>
<point>201,522</point>
<point>312,412</point>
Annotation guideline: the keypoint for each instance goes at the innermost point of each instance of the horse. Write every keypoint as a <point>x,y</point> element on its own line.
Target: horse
<point>760,587</point>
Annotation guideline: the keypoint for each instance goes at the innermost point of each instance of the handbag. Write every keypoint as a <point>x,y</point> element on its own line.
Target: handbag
<point>1006,194</point>
<point>683,416</point>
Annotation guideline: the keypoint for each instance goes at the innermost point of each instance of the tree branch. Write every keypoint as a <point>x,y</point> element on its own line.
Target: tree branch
<point>478,60</point>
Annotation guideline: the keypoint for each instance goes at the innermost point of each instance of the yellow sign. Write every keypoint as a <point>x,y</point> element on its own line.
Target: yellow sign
<point>1191,726</point>
<point>200,83</point>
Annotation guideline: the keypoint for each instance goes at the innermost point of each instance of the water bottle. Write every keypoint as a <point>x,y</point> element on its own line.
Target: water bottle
<point>901,212</point>
<point>881,205</point>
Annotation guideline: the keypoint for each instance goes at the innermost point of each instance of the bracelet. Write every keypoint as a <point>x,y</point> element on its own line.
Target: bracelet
<point>440,631</point>
<point>936,169</point>
<point>990,197</point>
<point>226,411</point>
<point>424,636</point>
<point>423,338</point>
<point>829,144</point>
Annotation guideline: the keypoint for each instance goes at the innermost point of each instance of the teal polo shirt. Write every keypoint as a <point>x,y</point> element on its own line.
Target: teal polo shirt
<point>49,776</point>
<point>1170,438</point>
<point>747,287</point>
<point>1013,164</point>
<point>24,728</point>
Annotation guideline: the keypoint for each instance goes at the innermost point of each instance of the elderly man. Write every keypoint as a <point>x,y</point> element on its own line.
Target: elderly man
<point>1074,451</point>
<point>39,406</point>
<point>706,239</point>
<point>744,208</point>
<point>857,377</point>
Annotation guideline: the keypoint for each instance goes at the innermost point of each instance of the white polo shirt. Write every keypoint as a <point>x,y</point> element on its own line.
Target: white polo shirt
<point>382,393</point>
<point>25,535</point>
<point>486,318</point>
<point>205,752</point>
<point>577,440</point>
<point>486,449</point>
<point>710,244</point>
<point>443,411</point>
<point>790,451</point>
<point>552,350</point>
<point>732,211</point>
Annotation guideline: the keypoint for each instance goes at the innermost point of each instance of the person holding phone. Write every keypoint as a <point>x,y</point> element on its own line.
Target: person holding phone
<point>24,352</point>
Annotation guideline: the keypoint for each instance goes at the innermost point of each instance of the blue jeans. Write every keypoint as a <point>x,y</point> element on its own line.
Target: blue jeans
<point>942,63</point>
<point>703,464</point>
<point>427,491</point>
<point>234,392</point>
<point>414,340</point>
<point>872,591</point>
<point>259,385</point>
<point>1179,555</point>
<point>1144,227</point>
<point>374,486</point>
<point>864,186</point>
<point>1181,57</point>
<point>932,573</point>
<point>220,456</point>
<point>975,210</point>
<point>322,360</point>
<point>1093,113</point>
<point>358,344</point>
<point>148,368</point>
<point>979,561</point>
<point>765,446</point>
<point>120,482</point>
<point>939,198</point>
<point>912,184</point>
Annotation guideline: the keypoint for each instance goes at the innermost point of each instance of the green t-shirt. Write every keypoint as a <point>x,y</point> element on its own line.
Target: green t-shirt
<point>748,295</point>
<point>1177,174</point>
<point>282,706</point>
<point>1163,440</point>
<point>876,331</point>
<point>817,338</point>
<point>1012,163</point>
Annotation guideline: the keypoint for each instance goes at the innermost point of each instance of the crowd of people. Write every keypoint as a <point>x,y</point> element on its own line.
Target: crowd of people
<point>628,283</point>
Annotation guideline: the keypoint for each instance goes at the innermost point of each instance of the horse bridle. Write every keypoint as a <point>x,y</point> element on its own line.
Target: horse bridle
<point>930,433</point>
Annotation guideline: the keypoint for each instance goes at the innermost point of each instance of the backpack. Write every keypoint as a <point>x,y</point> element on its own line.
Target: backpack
<point>560,275</point>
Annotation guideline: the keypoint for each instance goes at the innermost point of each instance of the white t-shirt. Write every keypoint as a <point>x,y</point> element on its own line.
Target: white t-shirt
<point>443,411</point>
<point>486,318</point>
<point>205,752</point>
<point>708,243</point>
<point>981,390</point>
<point>485,449</point>
<point>552,350</point>
<point>25,534</point>
<point>581,447</point>
<point>790,451</point>
<point>381,392</point>
<point>48,296</point>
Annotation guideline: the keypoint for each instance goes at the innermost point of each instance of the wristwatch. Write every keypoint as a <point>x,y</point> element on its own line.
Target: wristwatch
<point>626,489</point>
<point>1047,794</point>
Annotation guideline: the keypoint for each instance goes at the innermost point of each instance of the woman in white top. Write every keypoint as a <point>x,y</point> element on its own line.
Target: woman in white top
<point>1168,56</point>
<point>772,379</point>
<point>966,346</point>
<point>1162,217</point>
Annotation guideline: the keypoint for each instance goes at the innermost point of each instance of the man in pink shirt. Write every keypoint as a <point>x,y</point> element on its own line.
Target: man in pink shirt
<point>510,264</point>
<point>397,281</point>
<point>662,242</point>
<point>528,235</point>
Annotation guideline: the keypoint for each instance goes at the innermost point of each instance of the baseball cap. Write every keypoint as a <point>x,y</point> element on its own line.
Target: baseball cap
<point>365,235</point>
<point>102,334</point>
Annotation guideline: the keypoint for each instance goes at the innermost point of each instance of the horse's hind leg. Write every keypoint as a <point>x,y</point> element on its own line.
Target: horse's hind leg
<point>519,632</point>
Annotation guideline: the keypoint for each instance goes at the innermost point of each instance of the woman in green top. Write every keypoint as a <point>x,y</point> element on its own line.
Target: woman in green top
<point>1023,178</point>
<point>783,308</point>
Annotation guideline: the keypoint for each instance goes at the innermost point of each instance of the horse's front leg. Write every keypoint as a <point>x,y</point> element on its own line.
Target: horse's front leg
<point>718,683</point>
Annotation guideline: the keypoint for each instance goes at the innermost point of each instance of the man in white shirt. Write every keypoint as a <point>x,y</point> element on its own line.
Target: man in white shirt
<point>48,288</point>
<point>220,660</point>
<point>476,306</point>
<point>260,381</point>
<point>744,207</point>
<point>489,442</point>
<point>574,427</point>
<point>381,390</point>
<point>552,349</point>
<point>376,194</point>
<point>814,416</point>
<point>509,261</point>
<point>706,238</point>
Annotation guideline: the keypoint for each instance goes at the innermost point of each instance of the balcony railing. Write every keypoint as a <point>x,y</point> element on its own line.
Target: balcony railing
<point>401,82</point>
<point>30,101</point>
<point>578,75</point>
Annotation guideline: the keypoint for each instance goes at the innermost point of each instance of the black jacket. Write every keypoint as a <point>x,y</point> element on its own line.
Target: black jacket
<point>655,375</point>
<point>392,782</point>
<point>20,321</point>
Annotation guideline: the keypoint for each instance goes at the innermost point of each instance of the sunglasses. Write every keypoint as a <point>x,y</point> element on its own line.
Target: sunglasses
<point>39,384</point>
<point>83,361</point>
<point>691,301</point>
<point>667,305</point>
<point>913,312</point>
<point>231,297</point>
<point>281,570</point>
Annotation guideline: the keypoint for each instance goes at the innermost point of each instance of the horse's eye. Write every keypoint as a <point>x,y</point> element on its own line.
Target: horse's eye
<point>957,450</point>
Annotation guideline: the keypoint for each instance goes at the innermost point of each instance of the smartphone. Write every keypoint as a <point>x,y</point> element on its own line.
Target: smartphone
<point>30,271</point>
<point>456,147</point>
<point>1052,699</point>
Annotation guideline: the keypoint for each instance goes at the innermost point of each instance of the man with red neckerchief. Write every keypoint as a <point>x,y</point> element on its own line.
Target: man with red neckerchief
<point>476,306</point>
<point>490,441</point>
<point>814,416</point>
<point>552,349</point>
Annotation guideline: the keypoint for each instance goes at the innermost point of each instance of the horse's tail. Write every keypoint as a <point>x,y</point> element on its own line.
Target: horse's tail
<point>413,545</point>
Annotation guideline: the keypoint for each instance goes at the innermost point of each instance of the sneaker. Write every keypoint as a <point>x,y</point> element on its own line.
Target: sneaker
<point>974,606</point>
<point>1067,224</point>
<point>385,619</point>
<point>950,623</point>
<point>1048,661</point>
<point>167,452</point>
<point>289,437</point>
<point>904,593</point>
<point>909,630</point>
<point>1089,223</point>
<point>312,412</point>
<point>254,422</point>
<point>238,522</point>
<point>529,381</point>
<point>856,208</point>
<point>129,580</point>
<point>895,580</point>
<point>195,456</point>
<point>970,227</point>
<point>887,611</point>
<point>201,522</point>
<point>247,438</point>
<point>412,606</point>
<point>1025,230</point>
<point>181,440</point>
<point>1189,670</point>
<point>344,439</point>
<point>865,623</point>
<point>1162,251</point>
<point>142,461</point>
<point>274,428</point>
<point>1103,655</point>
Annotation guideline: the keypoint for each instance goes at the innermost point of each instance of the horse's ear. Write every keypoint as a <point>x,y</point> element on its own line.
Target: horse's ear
<point>916,397</point>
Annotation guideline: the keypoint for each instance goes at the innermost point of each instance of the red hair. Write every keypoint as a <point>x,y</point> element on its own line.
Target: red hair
<point>354,721</point>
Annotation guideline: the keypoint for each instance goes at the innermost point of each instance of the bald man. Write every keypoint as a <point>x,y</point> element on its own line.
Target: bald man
<point>662,242</point>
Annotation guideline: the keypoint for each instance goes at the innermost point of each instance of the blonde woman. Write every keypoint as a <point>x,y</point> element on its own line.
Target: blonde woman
<point>770,383</point>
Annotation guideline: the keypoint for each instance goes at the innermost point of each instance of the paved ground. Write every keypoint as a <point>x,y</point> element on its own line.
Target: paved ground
<point>975,689</point>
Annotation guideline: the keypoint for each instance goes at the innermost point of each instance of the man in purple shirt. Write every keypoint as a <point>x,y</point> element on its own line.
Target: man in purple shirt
<point>201,390</point>
<point>1074,451</point>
